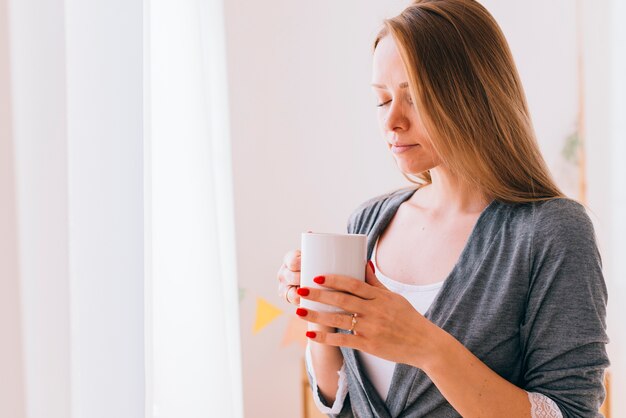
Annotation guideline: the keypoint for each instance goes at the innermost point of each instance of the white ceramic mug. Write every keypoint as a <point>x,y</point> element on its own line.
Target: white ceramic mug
<point>326,253</point>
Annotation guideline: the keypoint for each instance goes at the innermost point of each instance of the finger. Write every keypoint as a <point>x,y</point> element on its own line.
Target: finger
<point>292,277</point>
<point>292,296</point>
<point>345,301</point>
<point>292,260</point>
<point>336,339</point>
<point>370,276</point>
<point>287,276</point>
<point>348,284</point>
<point>329,319</point>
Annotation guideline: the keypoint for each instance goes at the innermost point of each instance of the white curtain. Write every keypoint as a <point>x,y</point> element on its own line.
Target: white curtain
<point>71,282</point>
<point>118,295</point>
<point>193,350</point>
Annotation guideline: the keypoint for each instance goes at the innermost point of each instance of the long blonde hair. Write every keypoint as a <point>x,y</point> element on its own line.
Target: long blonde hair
<point>463,79</point>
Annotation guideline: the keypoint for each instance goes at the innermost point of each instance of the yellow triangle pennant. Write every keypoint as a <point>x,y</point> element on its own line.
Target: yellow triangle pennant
<point>265,313</point>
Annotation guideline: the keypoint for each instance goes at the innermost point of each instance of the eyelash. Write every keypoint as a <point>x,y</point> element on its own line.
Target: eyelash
<point>388,101</point>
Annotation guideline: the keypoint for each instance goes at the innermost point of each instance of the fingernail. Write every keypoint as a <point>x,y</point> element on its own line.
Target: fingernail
<point>369,262</point>
<point>310,334</point>
<point>301,312</point>
<point>319,279</point>
<point>303,291</point>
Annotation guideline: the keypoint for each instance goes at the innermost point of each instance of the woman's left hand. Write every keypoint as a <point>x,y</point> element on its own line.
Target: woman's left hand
<point>388,326</point>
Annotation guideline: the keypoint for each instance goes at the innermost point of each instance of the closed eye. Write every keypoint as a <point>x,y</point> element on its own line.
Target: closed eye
<point>389,101</point>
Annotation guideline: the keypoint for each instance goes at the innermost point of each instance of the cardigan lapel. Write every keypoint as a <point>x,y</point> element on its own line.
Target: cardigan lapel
<point>410,384</point>
<point>404,375</point>
<point>380,408</point>
<point>377,408</point>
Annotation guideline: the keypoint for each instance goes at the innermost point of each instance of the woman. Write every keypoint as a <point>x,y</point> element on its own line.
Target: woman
<point>484,294</point>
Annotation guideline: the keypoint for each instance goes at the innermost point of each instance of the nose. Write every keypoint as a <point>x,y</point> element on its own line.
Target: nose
<point>396,117</point>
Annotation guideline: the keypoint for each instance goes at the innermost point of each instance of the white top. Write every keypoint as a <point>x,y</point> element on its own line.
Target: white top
<point>380,371</point>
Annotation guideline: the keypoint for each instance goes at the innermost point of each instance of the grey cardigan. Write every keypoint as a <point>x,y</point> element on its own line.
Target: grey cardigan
<point>527,297</point>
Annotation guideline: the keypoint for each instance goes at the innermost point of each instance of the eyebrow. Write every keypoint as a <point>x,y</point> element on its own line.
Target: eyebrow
<point>401,85</point>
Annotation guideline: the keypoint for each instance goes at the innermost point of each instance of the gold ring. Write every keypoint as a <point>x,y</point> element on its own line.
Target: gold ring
<point>354,315</point>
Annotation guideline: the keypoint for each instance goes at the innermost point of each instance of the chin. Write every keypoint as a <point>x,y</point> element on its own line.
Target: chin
<point>413,169</point>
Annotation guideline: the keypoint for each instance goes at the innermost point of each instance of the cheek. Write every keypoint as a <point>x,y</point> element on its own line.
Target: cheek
<point>420,130</point>
<point>430,152</point>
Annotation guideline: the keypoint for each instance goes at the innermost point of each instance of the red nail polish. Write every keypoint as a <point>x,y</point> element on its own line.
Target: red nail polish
<point>371,264</point>
<point>303,291</point>
<point>301,312</point>
<point>319,279</point>
<point>310,334</point>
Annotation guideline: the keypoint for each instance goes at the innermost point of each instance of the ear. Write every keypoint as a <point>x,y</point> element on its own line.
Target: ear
<point>370,276</point>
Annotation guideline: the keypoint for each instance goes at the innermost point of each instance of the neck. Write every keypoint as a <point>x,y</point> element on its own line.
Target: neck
<point>450,194</point>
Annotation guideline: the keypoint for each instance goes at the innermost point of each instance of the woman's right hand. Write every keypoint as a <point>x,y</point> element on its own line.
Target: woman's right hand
<point>289,277</point>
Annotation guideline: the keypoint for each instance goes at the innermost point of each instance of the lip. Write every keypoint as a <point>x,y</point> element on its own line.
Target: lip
<point>397,149</point>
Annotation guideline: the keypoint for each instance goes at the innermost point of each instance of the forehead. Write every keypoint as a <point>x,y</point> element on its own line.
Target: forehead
<point>388,68</point>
